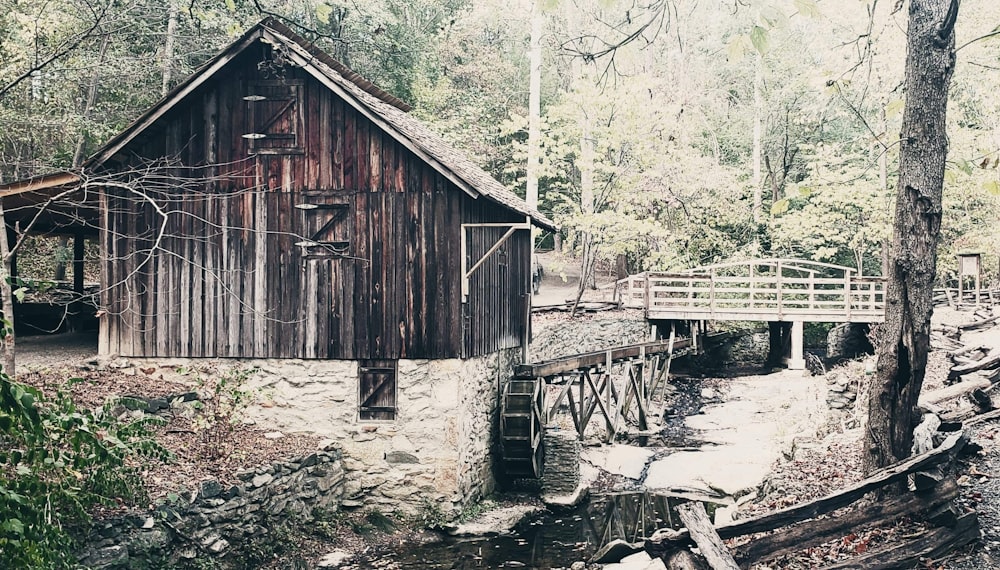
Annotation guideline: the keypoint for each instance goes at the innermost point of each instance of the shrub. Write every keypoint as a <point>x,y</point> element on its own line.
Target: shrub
<point>58,462</point>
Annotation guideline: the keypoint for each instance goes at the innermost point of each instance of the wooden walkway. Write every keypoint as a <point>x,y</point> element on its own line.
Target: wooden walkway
<point>758,290</point>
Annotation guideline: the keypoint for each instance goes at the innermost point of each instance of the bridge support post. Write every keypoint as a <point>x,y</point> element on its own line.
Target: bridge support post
<point>797,361</point>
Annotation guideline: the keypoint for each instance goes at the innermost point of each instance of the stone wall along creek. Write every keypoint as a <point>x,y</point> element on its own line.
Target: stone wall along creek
<point>212,520</point>
<point>437,452</point>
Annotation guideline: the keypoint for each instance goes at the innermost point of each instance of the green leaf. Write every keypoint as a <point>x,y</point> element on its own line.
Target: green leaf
<point>807,8</point>
<point>993,187</point>
<point>14,526</point>
<point>19,293</point>
<point>758,36</point>
<point>779,207</point>
<point>805,191</point>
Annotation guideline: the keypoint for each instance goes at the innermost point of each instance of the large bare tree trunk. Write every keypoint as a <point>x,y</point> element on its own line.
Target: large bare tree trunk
<point>758,128</point>
<point>6,297</point>
<point>902,354</point>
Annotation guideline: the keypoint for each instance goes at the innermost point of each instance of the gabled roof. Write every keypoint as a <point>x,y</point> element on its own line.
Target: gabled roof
<point>386,111</point>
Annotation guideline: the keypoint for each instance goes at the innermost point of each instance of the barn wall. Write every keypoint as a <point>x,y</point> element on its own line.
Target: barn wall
<point>213,269</point>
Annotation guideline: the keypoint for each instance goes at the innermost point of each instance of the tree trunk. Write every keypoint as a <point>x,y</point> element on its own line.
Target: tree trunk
<point>902,353</point>
<point>6,297</point>
<point>758,127</point>
<point>534,105</point>
<point>168,47</point>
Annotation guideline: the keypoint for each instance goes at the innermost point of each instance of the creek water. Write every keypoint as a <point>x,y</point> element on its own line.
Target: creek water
<point>549,540</point>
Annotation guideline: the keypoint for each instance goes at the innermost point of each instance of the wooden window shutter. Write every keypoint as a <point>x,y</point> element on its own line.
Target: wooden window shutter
<point>326,225</point>
<point>377,390</point>
<point>274,117</point>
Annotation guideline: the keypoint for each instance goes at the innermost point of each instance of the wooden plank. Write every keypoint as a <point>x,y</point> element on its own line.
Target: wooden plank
<point>596,358</point>
<point>696,520</point>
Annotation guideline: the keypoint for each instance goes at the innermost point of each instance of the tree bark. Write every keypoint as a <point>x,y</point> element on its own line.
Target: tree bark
<point>902,353</point>
<point>6,298</point>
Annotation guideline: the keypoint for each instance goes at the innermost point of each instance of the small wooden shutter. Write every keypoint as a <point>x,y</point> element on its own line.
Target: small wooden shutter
<point>326,225</point>
<point>274,117</point>
<point>377,389</point>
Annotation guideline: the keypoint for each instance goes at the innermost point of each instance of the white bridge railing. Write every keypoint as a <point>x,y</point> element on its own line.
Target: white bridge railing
<point>760,289</point>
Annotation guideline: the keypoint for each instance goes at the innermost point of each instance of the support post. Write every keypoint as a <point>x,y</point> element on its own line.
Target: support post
<point>76,308</point>
<point>797,360</point>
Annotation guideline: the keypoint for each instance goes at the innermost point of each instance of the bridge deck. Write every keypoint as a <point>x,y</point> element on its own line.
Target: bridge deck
<point>758,290</point>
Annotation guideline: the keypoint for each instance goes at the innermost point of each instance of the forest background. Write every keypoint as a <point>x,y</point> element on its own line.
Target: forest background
<point>674,133</point>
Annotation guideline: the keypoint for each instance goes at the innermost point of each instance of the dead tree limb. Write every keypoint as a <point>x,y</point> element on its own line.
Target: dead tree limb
<point>696,520</point>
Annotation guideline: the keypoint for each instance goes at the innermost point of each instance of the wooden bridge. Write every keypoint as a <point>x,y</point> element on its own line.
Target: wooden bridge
<point>758,290</point>
<point>793,291</point>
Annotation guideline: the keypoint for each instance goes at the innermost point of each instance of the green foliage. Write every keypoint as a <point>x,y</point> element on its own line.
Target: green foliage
<point>58,462</point>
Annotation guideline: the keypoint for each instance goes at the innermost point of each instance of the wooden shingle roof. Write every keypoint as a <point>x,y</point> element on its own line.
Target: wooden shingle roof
<point>383,109</point>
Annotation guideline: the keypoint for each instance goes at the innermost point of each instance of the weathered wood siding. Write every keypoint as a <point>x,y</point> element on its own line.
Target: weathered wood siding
<point>214,269</point>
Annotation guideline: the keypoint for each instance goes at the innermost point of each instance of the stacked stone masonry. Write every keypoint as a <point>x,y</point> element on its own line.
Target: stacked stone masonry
<point>437,453</point>
<point>562,462</point>
<point>211,520</point>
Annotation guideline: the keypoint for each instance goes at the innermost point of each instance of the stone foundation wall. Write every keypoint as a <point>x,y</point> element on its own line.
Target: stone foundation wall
<point>437,452</point>
<point>212,520</point>
<point>479,422</point>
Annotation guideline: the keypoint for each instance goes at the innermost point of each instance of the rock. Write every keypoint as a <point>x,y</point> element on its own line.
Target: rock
<point>261,480</point>
<point>637,561</point>
<point>218,546</point>
<point>401,457</point>
<point>148,523</point>
<point>578,566</point>
<point>210,488</point>
<point>333,559</point>
<point>625,460</point>
<point>496,521</point>
<point>274,435</point>
<point>616,551</point>
<point>116,555</point>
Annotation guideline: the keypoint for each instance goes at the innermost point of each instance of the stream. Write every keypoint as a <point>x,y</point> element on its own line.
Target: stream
<point>548,540</point>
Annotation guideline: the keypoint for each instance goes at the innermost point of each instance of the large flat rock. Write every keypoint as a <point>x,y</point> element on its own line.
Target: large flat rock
<point>625,460</point>
<point>757,421</point>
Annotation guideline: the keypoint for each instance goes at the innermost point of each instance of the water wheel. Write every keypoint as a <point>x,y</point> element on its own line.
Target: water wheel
<point>522,421</point>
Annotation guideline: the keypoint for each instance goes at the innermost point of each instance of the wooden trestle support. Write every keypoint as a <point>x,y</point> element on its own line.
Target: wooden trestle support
<point>620,383</point>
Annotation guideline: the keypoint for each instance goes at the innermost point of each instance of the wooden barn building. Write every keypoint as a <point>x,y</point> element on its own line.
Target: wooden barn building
<point>278,209</point>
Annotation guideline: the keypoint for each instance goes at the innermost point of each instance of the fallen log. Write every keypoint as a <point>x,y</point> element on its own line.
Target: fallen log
<point>983,418</point>
<point>933,544</point>
<point>819,531</point>
<point>942,342</point>
<point>967,349</point>
<point>696,520</point>
<point>812,509</point>
<point>976,325</point>
<point>953,391</point>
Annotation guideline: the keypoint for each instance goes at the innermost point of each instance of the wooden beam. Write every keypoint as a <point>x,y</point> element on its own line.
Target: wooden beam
<point>833,501</point>
<point>597,358</point>
<point>816,532</point>
<point>696,520</point>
